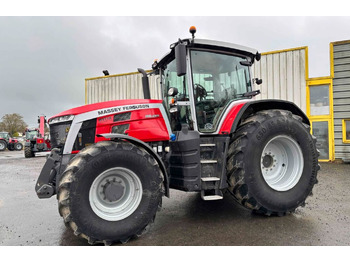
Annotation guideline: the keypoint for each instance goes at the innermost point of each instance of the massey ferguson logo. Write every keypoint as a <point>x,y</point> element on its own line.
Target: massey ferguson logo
<point>121,109</point>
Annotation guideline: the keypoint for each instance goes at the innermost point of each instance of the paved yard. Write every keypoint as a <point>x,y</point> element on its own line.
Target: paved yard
<point>184,219</point>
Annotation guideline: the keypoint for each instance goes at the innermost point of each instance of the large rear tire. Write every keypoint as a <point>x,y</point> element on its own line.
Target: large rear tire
<point>28,152</point>
<point>110,192</point>
<point>3,145</point>
<point>18,146</point>
<point>272,162</point>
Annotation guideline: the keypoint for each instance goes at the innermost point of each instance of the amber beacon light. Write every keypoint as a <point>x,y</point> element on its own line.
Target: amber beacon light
<point>193,30</point>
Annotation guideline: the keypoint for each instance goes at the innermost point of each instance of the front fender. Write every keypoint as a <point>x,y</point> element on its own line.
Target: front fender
<point>135,141</point>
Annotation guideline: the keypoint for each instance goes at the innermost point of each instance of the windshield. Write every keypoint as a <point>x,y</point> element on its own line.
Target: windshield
<point>218,79</point>
<point>31,134</point>
<point>4,135</point>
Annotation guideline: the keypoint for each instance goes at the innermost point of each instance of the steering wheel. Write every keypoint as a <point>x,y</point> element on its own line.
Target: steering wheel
<point>200,92</point>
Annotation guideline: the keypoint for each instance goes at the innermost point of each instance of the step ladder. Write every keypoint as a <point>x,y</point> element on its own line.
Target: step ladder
<point>209,179</point>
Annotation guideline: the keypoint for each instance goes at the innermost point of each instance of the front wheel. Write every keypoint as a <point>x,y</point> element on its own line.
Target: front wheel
<point>110,192</point>
<point>18,146</point>
<point>273,162</point>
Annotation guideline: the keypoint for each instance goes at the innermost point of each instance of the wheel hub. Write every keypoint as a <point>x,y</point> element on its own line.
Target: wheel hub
<point>282,163</point>
<point>113,191</point>
<point>115,194</point>
<point>267,161</point>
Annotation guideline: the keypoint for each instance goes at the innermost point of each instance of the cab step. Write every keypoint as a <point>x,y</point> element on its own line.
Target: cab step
<point>208,179</point>
<point>212,197</point>
<point>208,195</point>
<point>209,161</point>
<point>203,145</point>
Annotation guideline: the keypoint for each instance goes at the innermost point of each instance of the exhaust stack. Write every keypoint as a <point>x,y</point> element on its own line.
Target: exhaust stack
<point>145,84</point>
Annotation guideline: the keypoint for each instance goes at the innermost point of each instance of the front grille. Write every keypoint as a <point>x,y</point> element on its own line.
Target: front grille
<point>58,134</point>
<point>86,135</point>
<point>122,117</point>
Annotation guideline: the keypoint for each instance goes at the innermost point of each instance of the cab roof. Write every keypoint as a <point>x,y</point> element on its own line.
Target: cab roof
<point>210,44</point>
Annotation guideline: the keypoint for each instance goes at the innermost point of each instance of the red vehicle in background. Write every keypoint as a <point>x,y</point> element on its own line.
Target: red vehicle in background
<point>36,141</point>
<point>6,141</point>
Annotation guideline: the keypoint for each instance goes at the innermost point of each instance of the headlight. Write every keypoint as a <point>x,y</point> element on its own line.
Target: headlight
<point>120,129</point>
<point>173,91</point>
<point>61,119</point>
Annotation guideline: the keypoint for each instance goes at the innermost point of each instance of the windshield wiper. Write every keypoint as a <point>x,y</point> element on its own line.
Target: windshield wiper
<point>248,94</point>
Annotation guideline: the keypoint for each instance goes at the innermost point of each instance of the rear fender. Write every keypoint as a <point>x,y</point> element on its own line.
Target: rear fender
<point>260,105</point>
<point>135,141</point>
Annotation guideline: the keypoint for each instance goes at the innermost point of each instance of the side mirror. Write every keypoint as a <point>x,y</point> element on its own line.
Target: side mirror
<point>257,56</point>
<point>180,56</point>
<point>258,81</point>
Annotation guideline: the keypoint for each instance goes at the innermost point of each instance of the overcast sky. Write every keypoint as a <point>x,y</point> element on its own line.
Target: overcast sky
<point>44,60</point>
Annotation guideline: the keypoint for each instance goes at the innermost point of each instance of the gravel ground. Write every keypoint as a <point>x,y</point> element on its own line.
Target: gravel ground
<point>184,220</point>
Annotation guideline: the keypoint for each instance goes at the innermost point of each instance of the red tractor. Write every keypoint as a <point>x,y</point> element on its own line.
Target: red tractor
<point>6,141</point>
<point>112,162</point>
<point>36,141</point>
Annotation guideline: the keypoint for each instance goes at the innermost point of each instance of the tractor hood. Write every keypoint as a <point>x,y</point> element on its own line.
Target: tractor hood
<point>105,106</point>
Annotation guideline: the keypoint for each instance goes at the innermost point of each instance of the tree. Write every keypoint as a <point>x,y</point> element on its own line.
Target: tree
<point>12,123</point>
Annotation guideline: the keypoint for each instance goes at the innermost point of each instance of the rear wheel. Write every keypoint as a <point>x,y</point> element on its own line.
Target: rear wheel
<point>18,146</point>
<point>110,192</point>
<point>3,145</point>
<point>272,163</point>
<point>28,152</point>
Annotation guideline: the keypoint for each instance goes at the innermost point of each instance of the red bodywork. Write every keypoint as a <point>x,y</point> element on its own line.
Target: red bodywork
<point>230,118</point>
<point>12,140</point>
<point>146,124</point>
<point>41,141</point>
<point>98,106</point>
<point>42,126</point>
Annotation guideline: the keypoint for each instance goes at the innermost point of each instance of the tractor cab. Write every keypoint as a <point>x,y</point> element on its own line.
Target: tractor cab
<point>5,136</point>
<point>31,134</point>
<point>201,78</point>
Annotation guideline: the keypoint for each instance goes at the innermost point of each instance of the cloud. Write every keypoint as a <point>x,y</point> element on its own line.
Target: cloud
<point>44,60</point>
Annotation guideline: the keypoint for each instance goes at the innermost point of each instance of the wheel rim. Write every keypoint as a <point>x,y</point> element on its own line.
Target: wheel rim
<point>18,147</point>
<point>2,146</point>
<point>115,194</point>
<point>282,163</point>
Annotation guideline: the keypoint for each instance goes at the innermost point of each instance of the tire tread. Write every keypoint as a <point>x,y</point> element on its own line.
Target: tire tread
<point>68,177</point>
<point>235,164</point>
